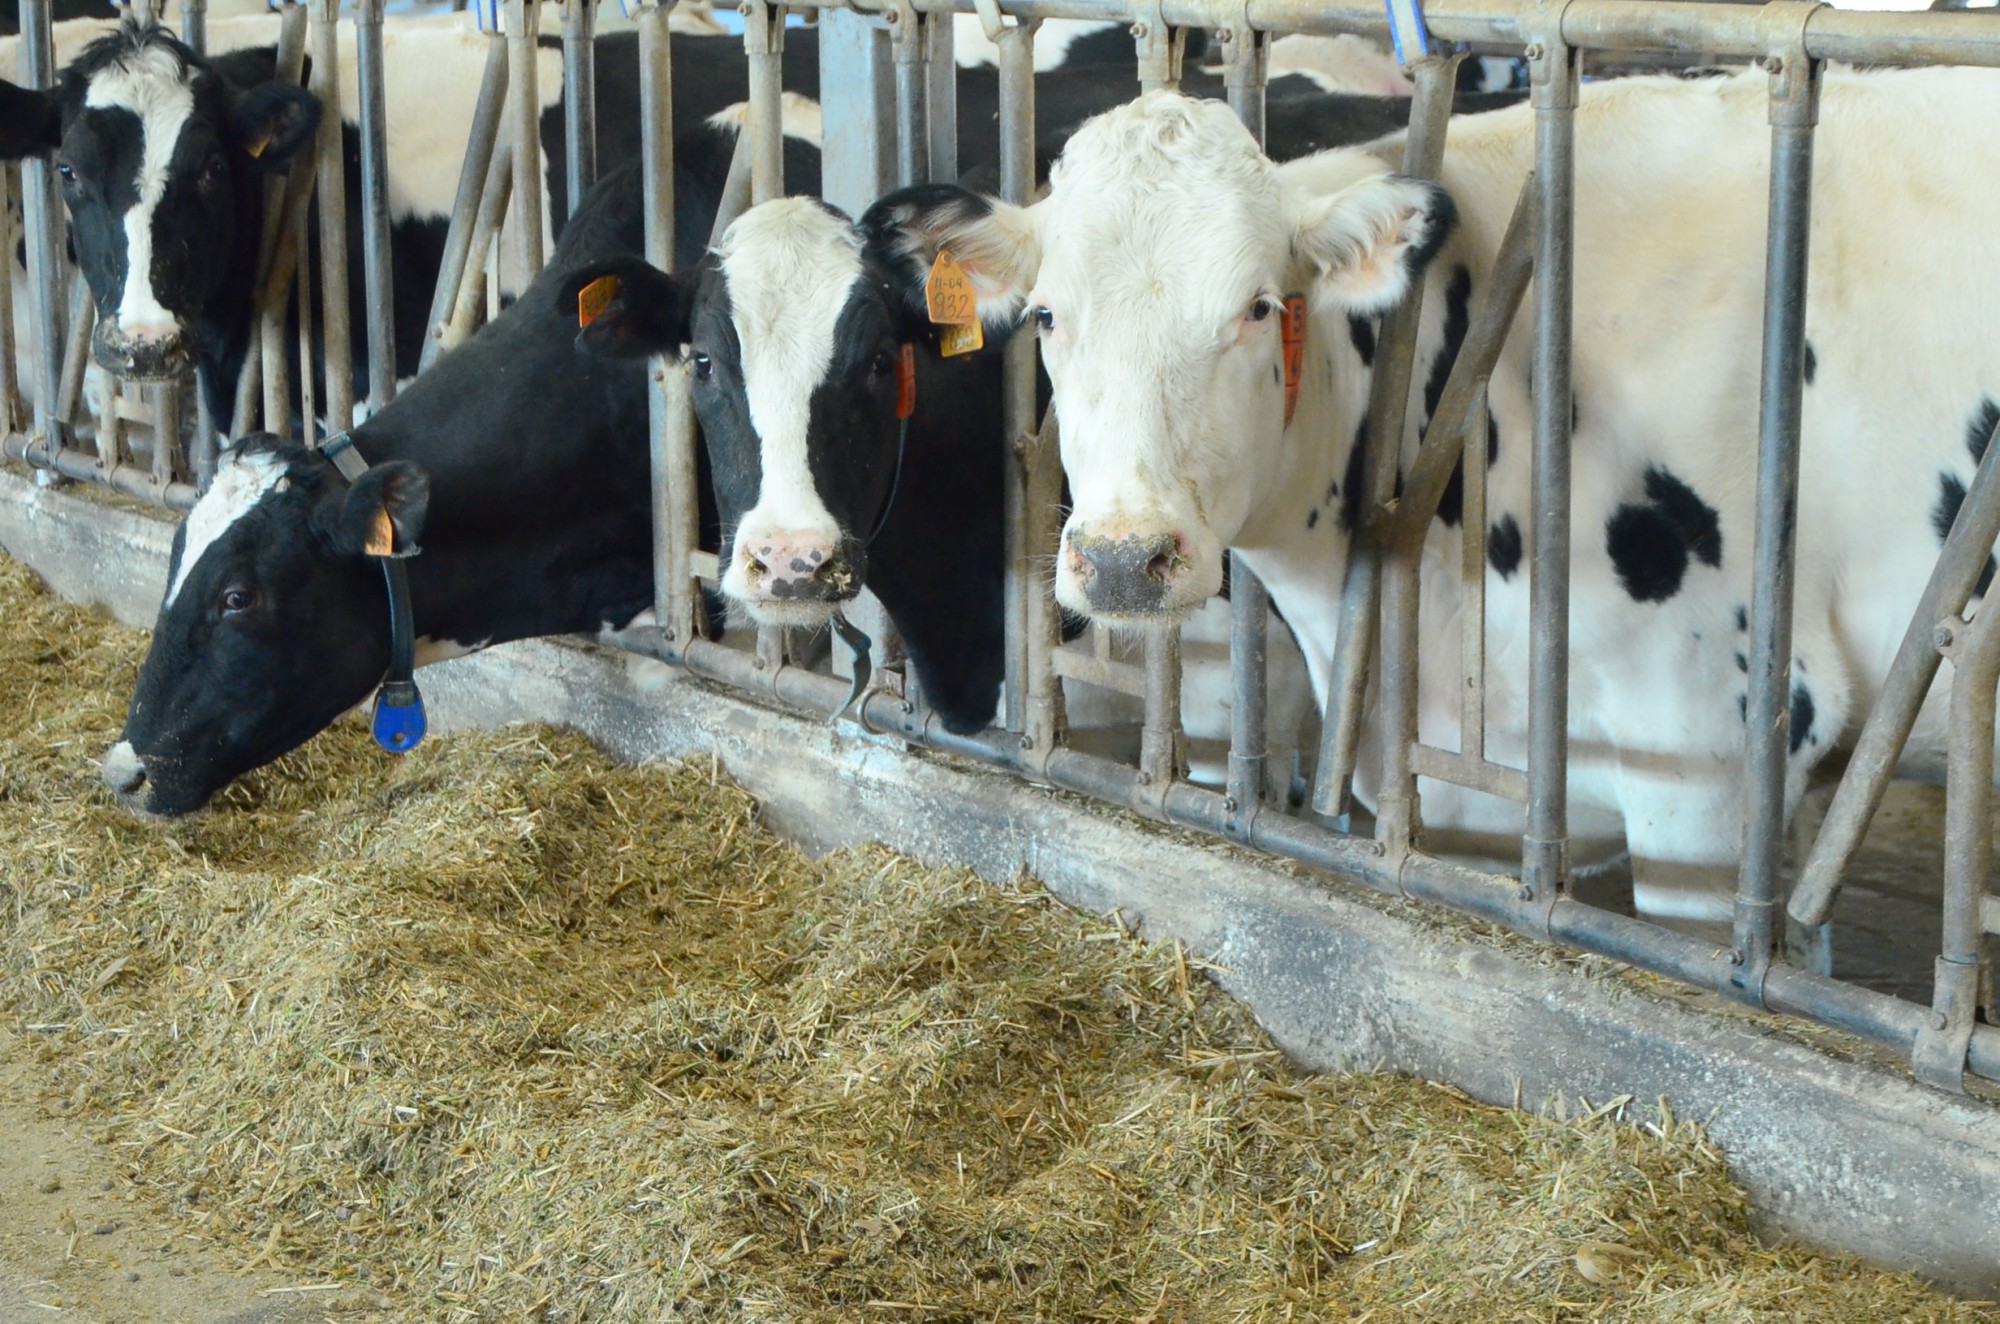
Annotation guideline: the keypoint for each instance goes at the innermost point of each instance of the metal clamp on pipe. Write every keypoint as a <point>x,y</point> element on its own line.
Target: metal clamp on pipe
<point>1162,48</point>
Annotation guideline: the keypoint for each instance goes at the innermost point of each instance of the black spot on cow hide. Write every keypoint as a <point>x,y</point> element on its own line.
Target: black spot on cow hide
<point>1802,716</point>
<point>1361,330</point>
<point>1503,546</point>
<point>1651,542</point>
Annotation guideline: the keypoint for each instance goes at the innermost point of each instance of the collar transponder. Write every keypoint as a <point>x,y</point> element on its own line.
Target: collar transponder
<point>399,723</point>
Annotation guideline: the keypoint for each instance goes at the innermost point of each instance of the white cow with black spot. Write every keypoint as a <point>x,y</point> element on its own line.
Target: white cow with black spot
<point>1154,270</point>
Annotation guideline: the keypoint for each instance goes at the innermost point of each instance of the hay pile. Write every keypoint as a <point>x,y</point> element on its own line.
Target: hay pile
<point>504,1031</point>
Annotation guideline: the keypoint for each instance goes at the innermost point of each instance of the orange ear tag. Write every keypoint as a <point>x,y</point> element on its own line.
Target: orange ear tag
<point>256,149</point>
<point>594,298</point>
<point>381,535</point>
<point>1294,339</point>
<point>906,382</point>
<point>948,291</point>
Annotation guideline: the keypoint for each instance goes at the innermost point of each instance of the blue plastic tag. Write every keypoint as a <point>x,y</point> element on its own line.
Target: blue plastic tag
<point>399,717</point>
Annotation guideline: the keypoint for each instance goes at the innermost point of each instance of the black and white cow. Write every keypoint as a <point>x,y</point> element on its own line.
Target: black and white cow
<point>517,462</point>
<point>1152,272</point>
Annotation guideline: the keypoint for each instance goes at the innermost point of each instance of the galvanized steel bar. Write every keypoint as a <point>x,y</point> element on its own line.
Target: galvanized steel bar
<point>127,479</point>
<point>1249,605</point>
<point>1939,1054</point>
<point>164,406</point>
<point>1794,111</point>
<point>378,277</point>
<point>10,387</point>
<point>76,349</point>
<point>1872,765</point>
<point>1160,743</point>
<point>580,98</point>
<point>1388,404</point>
<point>470,311</point>
<point>41,210</point>
<point>910,40</point>
<point>1472,592</point>
<point>472,179</point>
<point>524,116</point>
<point>1554,71</point>
<point>336,336</point>
<point>194,25</point>
<point>1396,809</point>
<point>764,47</point>
<point>110,430</point>
<point>942,110</point>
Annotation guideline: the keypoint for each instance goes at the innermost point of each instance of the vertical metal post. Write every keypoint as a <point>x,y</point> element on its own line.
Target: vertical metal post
<point>580,97</point>
<point>1030,677</point>
<point>472,178</point>
<point>1396,812</point>
<point>764,47</point>
<point>471,307</point>
<point>1794,112</point>
<point>336,337</point>
<point>1160,745</point>
<point>1554,72</point>
<point>165,410</point>
<point>194,25</point>
<point>10,393</point>
<point>524,116</point>
<point>857,100</point>
<point>670,407</point>
<point>1388,403</point>
<point>943,98</point>
<point>41,208</point>
<point>76,347</point>
<point>1249,604</point>
<point>910,39</point>
<point>202,445</point>
<point>377,276</point>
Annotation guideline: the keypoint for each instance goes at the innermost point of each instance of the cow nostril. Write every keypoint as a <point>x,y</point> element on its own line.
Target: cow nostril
<point>1161,567</point>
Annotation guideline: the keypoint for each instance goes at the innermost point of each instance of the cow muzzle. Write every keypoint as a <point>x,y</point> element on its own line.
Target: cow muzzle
<point>793,579</point>
<point>147,355</point>
<point>1128,574</point>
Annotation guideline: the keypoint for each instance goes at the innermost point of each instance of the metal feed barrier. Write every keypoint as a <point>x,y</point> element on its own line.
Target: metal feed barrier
<point>888,84</point>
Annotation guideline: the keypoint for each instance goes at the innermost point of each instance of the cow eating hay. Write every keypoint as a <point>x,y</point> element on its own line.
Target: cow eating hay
<point>502,1029</point>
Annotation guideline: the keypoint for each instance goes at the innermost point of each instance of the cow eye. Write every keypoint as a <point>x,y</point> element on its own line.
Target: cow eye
<point>704,367</point>
<point>1261,308</point>
<point>1045,319</point>
<point>237,601</point>
<point>885,363</point>
<point>67,171</point>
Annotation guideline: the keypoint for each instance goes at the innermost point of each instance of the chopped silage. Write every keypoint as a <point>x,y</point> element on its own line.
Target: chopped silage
<point>503,1030</point>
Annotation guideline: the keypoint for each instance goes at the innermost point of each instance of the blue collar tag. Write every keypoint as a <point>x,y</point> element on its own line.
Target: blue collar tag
<point>399,716</point>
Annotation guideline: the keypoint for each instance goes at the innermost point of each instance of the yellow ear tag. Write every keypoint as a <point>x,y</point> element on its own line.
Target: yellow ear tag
<point>381,535</point>
<point>594,298</point>
<point>948,291</point>
<point>961,339</point>
<point>256,149</point>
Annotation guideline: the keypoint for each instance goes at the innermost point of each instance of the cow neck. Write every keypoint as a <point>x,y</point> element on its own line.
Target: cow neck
<point>937,561</point>
<point>223,324</point>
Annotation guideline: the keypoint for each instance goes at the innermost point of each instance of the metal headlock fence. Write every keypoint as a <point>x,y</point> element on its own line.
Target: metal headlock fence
<point>1377,643</point>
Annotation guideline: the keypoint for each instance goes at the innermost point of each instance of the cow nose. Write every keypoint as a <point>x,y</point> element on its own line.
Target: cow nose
<point>123,771</point>
<point>1127,575</point>
<point>799,569</point>
<point>147,352</point>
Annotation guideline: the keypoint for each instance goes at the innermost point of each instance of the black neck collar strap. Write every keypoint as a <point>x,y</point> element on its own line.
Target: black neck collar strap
<point>399,709</point>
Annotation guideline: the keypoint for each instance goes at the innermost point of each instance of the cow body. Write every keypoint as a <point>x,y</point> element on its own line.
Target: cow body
<point>1163,219</point>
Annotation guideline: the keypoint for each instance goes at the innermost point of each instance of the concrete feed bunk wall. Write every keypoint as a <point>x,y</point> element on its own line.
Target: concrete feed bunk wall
<point>1834,1149</point>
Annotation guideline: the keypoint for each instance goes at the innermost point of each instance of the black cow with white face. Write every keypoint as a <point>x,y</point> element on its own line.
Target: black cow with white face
<point>162,158</point>
<point>797,325</point>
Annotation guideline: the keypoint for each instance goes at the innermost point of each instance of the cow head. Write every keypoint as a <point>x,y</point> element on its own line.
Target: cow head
<point>1154,273</point>
<point>275,621</point>
<point>160,160</point>
<point>796,340</point>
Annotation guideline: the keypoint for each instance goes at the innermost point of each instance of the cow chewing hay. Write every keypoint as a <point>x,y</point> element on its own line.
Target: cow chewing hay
<point>502,1029</point>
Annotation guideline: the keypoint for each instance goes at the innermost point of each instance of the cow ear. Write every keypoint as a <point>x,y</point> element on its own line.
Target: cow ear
<point>996,243</point>
<point>397,490</point>
<point>627,308</point>
<point>272,122</point>
<point>30,122</point>
<point>1367,244</point>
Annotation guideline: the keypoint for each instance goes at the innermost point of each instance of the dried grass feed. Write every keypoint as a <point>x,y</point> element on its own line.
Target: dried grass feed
<point>503,1031</point>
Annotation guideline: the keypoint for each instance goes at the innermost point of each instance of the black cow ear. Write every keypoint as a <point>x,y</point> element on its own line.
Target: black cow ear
<point>996,244</point>
<point>398,494</point>
<point>272,122</point>
<point>628,309</point>
<point>30,122</point>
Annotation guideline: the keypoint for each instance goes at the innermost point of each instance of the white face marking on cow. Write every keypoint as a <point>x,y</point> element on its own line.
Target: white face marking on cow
<point>791,266</point>
<point>148,83</point>
<point>240,483</point>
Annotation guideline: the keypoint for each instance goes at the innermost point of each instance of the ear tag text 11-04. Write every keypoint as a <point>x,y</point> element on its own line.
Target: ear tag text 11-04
<point>594,298</point>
